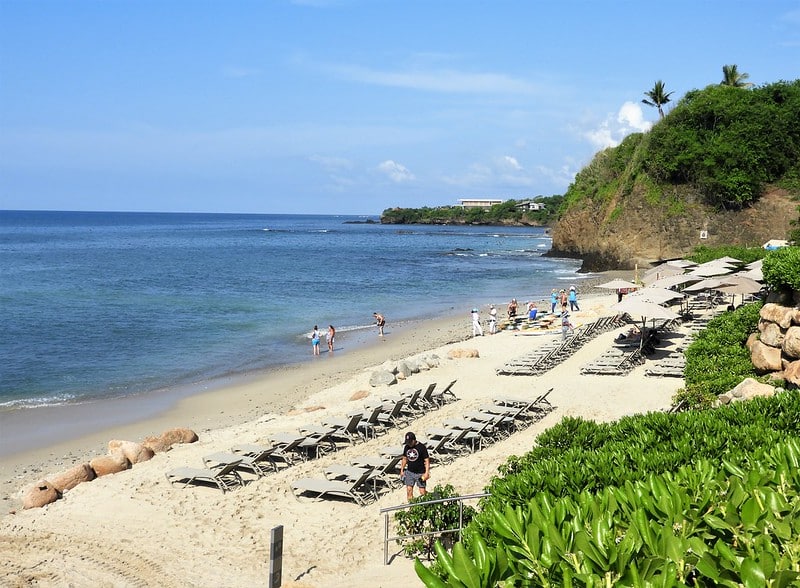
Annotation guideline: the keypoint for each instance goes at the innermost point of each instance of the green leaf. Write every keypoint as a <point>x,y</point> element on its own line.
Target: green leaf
<point>465,567</point>
<point>428,578</point>
<point>752,574</point>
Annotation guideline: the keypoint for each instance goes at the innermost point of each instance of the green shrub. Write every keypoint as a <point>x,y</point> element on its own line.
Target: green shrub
<point>782,268</point>
<point>424,518</point>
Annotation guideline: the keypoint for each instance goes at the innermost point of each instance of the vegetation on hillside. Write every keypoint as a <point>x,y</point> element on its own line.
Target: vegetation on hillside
<point>503,213</point>
<point>724,143</point>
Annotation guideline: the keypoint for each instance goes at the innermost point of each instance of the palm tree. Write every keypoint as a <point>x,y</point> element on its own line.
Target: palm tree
<point>732,77</point>
<point>657,97</point>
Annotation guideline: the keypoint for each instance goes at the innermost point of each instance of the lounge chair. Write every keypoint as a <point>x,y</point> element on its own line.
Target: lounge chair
<point>224,478</point>
<point>259,453</point>
<point>446,395</point>
<point>321,488</point>
<point>345,429</point>
<point>216,461</point>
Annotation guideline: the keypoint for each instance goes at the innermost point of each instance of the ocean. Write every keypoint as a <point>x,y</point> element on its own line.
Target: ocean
<point>99,305</point>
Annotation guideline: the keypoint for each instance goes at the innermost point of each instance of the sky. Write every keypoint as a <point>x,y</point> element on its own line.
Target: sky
<point>346,106</point>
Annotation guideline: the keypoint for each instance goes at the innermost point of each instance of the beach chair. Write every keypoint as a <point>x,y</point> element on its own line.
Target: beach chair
<point>446,395</point>
<point>384,468</point>
<point>371,427</point>
<point>394,416</point>
<point>345,429</point>
<point>224,478</point>
<point>218,460</point>
<point>287,447</point>
<point>427,400</point>
<point>356,490</point>
<point>259,453</point>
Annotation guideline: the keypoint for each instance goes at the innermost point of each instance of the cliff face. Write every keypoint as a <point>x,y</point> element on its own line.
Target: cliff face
<point>621,233</point>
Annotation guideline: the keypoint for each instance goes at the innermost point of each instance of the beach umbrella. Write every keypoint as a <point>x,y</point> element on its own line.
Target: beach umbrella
<point>711,270</point>
<point>644,309</point>
<point>618,285</point>
<point>729,259</point>
<point>754,274</point>
<point>675,280</point>
<point>657,295</point>
<point>707,284</point>
<point>739,285</point>
<point>663,272</point>
<point>755,264</point>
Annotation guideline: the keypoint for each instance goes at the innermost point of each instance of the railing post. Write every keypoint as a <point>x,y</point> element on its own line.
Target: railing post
<point>385,538</point>
<point>275,556</point>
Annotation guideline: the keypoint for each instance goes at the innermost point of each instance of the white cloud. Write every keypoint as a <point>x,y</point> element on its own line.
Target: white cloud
<point>396,172</point>
<point>610,132</point>
<point>512,162</point>
<point>436,80</point>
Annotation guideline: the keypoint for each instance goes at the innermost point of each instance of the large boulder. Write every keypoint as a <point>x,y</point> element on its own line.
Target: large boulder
<point>168,438</point>
<point>771,333</point>
<point>382,378</point>
<point>109,464</point>
<point>792,373</point>
<point>765,358</point>
<point>41,493</point>
<point>70,478</point>
<point>750,388</point>
<point>750,340</point>
<point>404,369</point>
<point>133,452</point>
<point>791,343</point>
<point>458,353</point>
<point>776,313</point>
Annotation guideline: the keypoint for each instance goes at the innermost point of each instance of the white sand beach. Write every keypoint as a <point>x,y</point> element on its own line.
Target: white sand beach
<point>135,529</point>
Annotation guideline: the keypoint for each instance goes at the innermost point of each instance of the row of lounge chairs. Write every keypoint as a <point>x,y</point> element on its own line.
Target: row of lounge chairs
<point>614,362</point>
<point>366,477</point>
<point>224,469</point>
<point>548,356</point>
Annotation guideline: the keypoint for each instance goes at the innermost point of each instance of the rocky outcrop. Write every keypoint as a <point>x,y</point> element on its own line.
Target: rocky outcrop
<point>632,228</point>
<point>109,464</point>
<point>747,389</point>
<point>132,451</point>
<point>168,438</point>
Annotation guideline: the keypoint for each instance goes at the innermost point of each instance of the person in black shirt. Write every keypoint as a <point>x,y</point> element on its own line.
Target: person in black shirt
<point>415,467</point>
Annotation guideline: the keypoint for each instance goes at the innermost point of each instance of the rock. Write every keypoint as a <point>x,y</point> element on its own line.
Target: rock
<point>167,439</point>
<point>359,395</point>
<point>400,376</point>
<point>457,353</point>
<point>41,493</point>
<point>791,343</point>
<point>132,451</point>
<point>765,358</point>
<point>412,363</point>
<point>792,373</point>
<point>422,365</point>
<point>404,368</point>
<point>70,478</point>
<point>725,398</point>
<point>109,464</point>
<point>771,333</point>
<point>382,378</point>
<point>314,408</point>
<point>432,360</point>
<point>750,388</point>
<point>750,340</point>
<point>777,314</point>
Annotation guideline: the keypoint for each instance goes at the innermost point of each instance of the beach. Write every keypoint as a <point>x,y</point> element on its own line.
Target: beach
<point>134,528</point>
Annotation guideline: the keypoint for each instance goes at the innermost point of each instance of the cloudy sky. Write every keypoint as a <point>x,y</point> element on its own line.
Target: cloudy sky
<point>346,106</point>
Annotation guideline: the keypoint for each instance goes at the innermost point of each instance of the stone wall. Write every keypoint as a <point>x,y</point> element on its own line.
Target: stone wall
<point>775,349</point>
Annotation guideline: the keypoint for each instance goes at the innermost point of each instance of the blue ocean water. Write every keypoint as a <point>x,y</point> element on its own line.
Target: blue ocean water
<point>101,305</point>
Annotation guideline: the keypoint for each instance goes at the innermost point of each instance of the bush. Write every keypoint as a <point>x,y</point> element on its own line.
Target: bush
<point>782,268</point>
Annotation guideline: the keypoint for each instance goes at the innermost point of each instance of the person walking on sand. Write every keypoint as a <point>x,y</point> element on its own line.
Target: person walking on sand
<point>492,319</point>
<point>562,298</point>
<point>476,323</point>
<point>380,321</point>
<point>573,298</point>
<point>553,301</point>
<point>415,467</point>
<point>315,340</point>
<point>329,337</point>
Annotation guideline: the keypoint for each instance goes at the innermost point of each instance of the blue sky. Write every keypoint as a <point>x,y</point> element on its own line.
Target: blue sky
<point>346,106</point>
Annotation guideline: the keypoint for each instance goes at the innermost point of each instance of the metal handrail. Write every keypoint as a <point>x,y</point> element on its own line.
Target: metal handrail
<point>385,512</point>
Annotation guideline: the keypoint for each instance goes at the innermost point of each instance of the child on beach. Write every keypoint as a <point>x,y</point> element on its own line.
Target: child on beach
<point>329,337</point>
<point>315,340</point>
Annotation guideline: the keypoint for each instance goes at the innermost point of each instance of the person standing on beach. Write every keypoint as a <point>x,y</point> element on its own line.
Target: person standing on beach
<point>566,324</point>
<point>573,298</point>
<point>512,308</point>
<point>476,323</point>
<point>562,298</point>
<point>415,467</point>
<point>315,340</point>
<point>492,320</point>
<point>553,301</point>
<point>380,321</point>
<point>329,337</point>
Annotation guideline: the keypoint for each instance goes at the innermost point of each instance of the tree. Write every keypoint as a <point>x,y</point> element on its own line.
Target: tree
<point>732,77</point>
<point>657,97</point>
